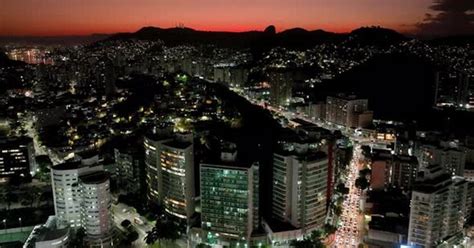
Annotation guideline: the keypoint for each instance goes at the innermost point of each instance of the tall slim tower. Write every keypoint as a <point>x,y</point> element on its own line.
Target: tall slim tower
<point>177,177</point>
<point>300,188</point>
<point>96,218</point>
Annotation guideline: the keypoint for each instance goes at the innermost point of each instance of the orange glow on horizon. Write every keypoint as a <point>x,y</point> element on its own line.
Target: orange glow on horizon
<point>79,17</point>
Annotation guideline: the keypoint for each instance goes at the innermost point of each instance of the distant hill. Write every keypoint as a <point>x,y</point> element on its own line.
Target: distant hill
<point>296,37</point>
<point>375,36</point>
<point>398,86</point>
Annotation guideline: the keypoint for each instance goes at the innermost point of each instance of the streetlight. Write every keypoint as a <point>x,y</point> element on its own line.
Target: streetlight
<point>19,220</point>
<point>5,225</point>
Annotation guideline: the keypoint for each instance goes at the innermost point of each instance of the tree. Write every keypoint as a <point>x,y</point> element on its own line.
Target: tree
<point>365,172</point>
<point>10,198</point>
<point>163,230</point>
<point>362,183</point>
<point>338,210</point>
<point>36,194</point>
<point>27,198</point>
<point>314,240</point>
<point>126,223</point>
<point>132,236</point>
<point>330,229</point>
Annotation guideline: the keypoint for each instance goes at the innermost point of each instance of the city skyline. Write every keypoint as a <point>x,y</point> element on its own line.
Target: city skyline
<point>56,18</point>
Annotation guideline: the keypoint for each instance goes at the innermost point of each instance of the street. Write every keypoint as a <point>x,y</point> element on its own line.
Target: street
<point>350,232</point>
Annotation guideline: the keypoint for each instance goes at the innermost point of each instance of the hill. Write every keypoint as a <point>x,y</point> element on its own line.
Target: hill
<point>296,37</point>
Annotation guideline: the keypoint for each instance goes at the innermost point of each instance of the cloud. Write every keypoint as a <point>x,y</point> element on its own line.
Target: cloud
<point>451,17</point>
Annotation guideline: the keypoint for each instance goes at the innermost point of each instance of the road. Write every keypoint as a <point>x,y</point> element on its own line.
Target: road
<point>351,230</point>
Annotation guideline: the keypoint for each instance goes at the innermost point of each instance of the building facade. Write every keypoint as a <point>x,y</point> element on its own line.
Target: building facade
<point>229,202</point>
<point>17,157</point>
<point>300,188</point>
<point>177,178</point>
<point>348,111</point>
<point>438,207</point>
<point>96,218</point>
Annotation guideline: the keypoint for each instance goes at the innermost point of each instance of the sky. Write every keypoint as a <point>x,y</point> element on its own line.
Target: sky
<point>81,17</point>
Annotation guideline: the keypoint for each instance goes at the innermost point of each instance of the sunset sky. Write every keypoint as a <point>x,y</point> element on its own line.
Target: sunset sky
<point>78,17</point>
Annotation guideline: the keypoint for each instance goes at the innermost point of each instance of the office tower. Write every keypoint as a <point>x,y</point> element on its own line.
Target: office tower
<point>348,111</point>
<point>169,160</point>
<point>17,157</point>
<point>152,143</point>
<point>438,207</point>
<point>300,187</point>
<point>229,200</point>
<point>177,177</point>
<point>96,218</point>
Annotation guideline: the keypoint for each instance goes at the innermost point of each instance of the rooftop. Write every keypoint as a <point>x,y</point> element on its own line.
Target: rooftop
<point>95,177</point>
<point>178,144</point>
<point>68,165</point>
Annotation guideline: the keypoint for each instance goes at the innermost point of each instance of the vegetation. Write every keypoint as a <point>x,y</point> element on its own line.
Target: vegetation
<point>164,230</point>
<point>362,183</point>
<point>312,241</point>
<point>126,223</point>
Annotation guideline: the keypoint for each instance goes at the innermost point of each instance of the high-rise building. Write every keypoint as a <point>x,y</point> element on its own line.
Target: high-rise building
<point>169,160</point>
<point>348,111</point>
<point>17,157</point>
<point>438,208</point>
<point>96,218</point>
<point>66,191</point>
<point>177,177</point>
<point>452,89</point>
<point>300,187</point>
<point>82,198</point>
<point>229,200</point>
<point>153,142</point>
<point>281,86</point>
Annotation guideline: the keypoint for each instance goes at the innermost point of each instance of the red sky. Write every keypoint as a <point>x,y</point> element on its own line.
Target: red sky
<point>67,17</point>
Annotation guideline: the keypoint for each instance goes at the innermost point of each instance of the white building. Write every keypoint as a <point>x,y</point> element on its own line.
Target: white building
<point>48,235</point>
<point>82,198</point>
<point>300,187</point>
<point>96,218</point>
<point>438,207</point>
<point>66,191</point>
